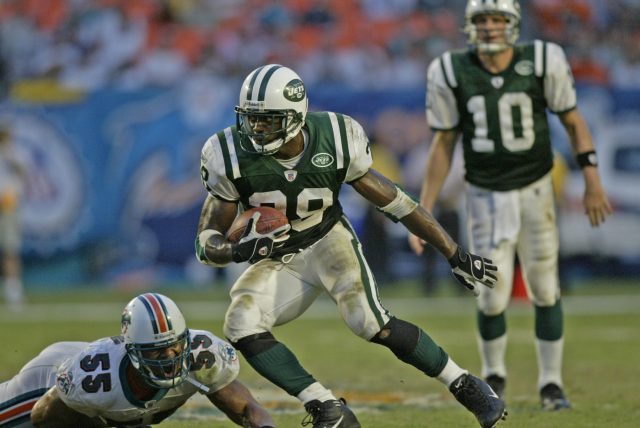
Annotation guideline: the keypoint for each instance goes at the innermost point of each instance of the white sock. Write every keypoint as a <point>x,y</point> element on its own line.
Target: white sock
<point>549,361</point>
<point>492,353</point>
<point>13,293</point>
<point>315,391</point>
<point>450,373</point>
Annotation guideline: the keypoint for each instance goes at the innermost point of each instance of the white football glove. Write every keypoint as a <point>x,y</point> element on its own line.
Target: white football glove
<point>254,246</point>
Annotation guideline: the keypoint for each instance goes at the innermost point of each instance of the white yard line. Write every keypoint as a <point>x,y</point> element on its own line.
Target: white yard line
<point>321,309</point>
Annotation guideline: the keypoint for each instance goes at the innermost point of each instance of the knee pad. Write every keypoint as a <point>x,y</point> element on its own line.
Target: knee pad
<point>254,344</point>
<point>399,336</point>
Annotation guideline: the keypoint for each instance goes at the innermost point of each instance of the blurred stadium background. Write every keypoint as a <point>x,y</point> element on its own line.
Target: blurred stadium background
<point>110,102</point>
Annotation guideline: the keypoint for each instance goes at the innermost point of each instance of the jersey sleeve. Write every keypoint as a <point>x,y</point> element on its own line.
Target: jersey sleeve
<point>559,89</point>
<point>442,110</point>
<point>361,159</point>
<point>215,363</point>
<point>212,170</point>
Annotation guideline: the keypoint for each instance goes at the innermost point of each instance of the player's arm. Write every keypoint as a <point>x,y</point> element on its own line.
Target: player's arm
<point>216,217</point>
<point>436,171</point>
<point>596,203</point>
<point>240,406</point>
<point>395,203</point>
<point>51,412</point>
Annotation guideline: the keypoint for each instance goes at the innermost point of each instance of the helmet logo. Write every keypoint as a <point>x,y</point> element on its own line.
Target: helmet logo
<point>294,91</point>
<point>322,160</point>
<point>125,322</point>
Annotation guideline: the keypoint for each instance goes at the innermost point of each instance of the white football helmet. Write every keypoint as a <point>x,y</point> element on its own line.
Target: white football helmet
<point>150,324</point>
<point>272,109</point>
<point>509,8</point>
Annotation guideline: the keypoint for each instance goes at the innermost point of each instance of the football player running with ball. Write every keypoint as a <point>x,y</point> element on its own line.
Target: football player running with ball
<point>496,94</point>
<point>133,380</point>
<point>280,155</point>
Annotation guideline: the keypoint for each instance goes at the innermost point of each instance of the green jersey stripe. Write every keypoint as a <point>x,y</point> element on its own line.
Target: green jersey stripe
<point>265,82</point>
<point>337,137</point>
<point>449,74</point>
<point>347,144</point>
<point>369,285</point>
<point>233,157</point>
<point>224,149</point>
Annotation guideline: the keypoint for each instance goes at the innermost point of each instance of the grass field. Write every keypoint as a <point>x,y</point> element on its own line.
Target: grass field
<point>602,348</point>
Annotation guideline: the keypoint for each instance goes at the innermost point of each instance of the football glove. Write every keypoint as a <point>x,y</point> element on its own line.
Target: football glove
<point>254,246</point>
<point>470,269</point>
<point>200,244</point>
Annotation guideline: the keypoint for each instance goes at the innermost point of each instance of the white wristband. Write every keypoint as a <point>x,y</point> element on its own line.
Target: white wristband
<point>204,236</point>
<point>401,206</point>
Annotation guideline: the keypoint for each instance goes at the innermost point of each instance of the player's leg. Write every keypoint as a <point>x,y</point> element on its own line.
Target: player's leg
<point>19,394</point>
<point>345,274</point>
<point>493,224</point>
<point>538,251</point>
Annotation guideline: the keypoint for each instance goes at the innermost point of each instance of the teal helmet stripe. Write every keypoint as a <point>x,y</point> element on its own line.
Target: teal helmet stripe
<point>265,82</point>
<point>253,81</point>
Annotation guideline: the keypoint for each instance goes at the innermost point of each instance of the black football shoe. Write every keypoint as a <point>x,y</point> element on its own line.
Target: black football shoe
<point>478,397</point>
<point>497,383</point>
<point>330,414</point>
<point>552,398</point>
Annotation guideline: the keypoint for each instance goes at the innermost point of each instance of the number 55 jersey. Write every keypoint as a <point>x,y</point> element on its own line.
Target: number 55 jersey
<point>91,378</point>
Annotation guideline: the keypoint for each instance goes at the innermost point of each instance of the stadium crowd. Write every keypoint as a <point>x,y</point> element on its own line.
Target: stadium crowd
<point>90,44</point>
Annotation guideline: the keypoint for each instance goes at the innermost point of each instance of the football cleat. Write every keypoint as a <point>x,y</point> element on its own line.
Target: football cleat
<point>330,414</point>
<point>552,398</point>
<point>497,383</point>
<point>478,397</point>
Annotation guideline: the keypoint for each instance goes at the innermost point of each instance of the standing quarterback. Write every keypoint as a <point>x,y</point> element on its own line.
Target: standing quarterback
<point>496,95</point>
<point>281,156</point>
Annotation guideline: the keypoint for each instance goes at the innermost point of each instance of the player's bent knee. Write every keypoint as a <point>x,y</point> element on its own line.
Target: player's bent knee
<point>399,336</point>
<point>254,344</point>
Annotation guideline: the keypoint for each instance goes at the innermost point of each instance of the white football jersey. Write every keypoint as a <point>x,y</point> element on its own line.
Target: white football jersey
<point>94,382</point>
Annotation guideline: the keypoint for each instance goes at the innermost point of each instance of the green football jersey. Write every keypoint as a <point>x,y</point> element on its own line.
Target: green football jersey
<point>337,151</point>
<point>502,116</point>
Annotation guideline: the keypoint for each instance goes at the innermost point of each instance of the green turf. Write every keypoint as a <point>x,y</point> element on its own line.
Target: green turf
<point>600,370</point>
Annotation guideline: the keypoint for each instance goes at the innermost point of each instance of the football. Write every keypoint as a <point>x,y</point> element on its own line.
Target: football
<point>270,219</point>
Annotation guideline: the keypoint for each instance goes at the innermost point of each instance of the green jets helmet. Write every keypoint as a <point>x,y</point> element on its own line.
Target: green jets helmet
<point>272,109</point>
<point>510,9</point>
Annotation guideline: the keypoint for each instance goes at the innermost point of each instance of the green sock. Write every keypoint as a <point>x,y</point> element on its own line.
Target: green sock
<point>281,367</point>
<point>491,326</point>
<point>549,325</point>
<point>427,356</point>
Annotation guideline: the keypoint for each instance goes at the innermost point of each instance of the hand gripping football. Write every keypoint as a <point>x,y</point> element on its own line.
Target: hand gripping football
<point>270,219</point>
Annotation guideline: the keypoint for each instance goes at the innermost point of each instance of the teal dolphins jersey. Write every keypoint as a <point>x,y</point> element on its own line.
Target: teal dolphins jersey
<point>336,151</point>
<point>501,116</point>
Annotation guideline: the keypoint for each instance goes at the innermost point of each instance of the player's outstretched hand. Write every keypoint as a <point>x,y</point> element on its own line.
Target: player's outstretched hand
<point>254,246</point>
<point>470,269</point>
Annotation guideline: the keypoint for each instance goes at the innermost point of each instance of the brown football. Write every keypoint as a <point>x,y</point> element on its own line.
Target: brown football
<point>270,219</point>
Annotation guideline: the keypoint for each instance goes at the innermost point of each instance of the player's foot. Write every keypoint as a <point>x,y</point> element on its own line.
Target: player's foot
<point>497,383</point>
<point>552,398</point>
<point>478,397</point>
<point>330,414</point>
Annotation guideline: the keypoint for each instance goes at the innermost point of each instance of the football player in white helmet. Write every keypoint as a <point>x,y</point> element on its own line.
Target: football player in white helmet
<point>495,95</point>
<point>136,379</point>
<point>272,109</point>
<point>310,156</point>
<point>484,38</point>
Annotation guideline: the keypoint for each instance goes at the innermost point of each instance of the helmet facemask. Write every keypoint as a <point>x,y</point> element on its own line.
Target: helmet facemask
<point>275,128</point>
<point>158,372</point>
